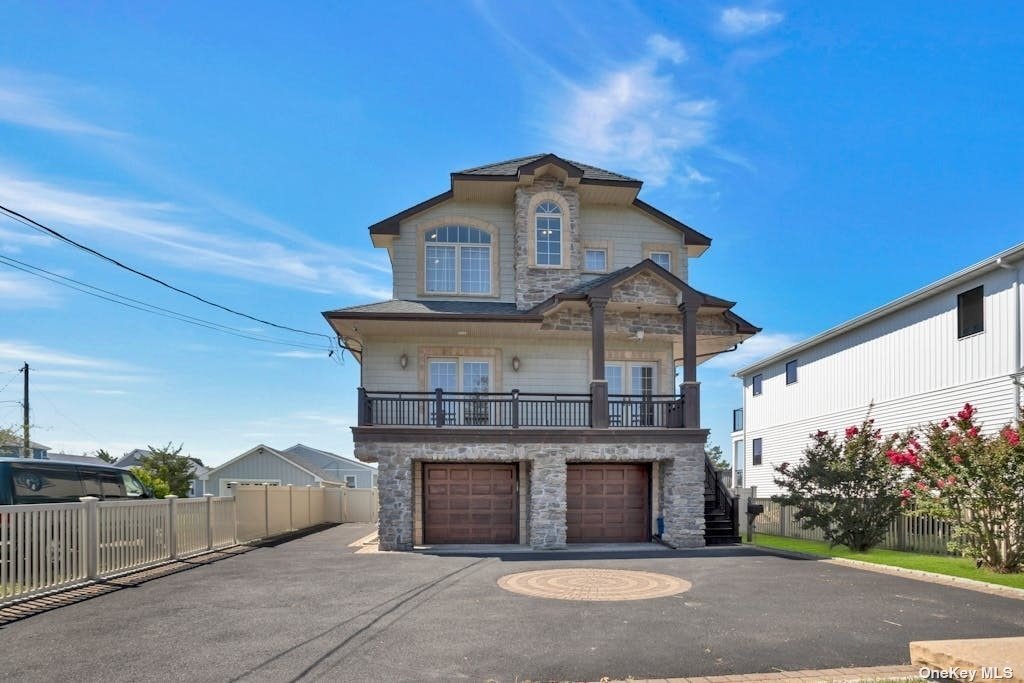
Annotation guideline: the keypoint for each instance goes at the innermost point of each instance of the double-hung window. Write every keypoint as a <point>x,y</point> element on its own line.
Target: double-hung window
<point>548,236</point>
<point>471,375</point>
<point>457,260</point>
<point>663,259</point>
<point>595,260</point>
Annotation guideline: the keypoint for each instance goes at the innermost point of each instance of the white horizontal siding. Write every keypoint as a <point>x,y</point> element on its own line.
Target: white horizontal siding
<point>628,228</point>
<point>406,253</point>
<point>911,352</point>
<point>786,441</point>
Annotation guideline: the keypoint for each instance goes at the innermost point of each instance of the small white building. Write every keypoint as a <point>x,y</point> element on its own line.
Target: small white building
<point>917,360</point>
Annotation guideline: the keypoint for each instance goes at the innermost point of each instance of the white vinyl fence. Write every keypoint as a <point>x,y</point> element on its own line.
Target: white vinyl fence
<point>912,533</point>
<point>45,547</point>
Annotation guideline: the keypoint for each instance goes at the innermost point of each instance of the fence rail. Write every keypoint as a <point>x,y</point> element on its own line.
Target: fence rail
<point>50,546</point>
<point>912,533</point>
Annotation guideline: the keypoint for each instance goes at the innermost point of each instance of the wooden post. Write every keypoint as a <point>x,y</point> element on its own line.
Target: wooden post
<point>91,544</point>
<point>291,517</point>
<point>690,388</point>
<point>362,408</point>
<point>266,510</point>
<point>439,407</point>
<point>172,526</point>
<point>309,504</point>
<point>598,383</point>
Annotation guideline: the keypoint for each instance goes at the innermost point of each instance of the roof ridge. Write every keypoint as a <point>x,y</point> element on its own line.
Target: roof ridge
<point>525,159</point>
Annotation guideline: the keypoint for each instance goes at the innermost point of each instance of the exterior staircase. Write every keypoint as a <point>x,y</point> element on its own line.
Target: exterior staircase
<point>721,509</point>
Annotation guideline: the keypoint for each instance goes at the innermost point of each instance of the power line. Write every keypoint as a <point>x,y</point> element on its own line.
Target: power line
<point>138,305</point>
<point>7,385</point>
<point>36,225</point>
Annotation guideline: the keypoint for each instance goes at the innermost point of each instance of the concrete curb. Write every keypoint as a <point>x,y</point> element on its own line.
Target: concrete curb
<point>867,673</point>
<point>916,574</point>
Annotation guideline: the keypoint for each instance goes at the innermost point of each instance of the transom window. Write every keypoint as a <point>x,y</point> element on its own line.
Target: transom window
<point>663,259</point>
<point>549,234</point>
<point>458,260</point>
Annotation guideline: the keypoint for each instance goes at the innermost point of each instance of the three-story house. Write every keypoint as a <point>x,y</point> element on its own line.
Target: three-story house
<point>520,386</point>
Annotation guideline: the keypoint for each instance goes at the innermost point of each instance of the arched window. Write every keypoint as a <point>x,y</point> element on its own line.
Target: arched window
<point>457,260</point>
<point>549,234</point>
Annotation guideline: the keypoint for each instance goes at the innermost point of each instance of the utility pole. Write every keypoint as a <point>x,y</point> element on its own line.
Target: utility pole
<point>26,446</point>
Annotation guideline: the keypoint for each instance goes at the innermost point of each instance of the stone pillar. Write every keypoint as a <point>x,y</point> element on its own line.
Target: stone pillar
<point>682,501</point>
<point>690,388</point>
<point>394,482</point>
<point>547,500</point>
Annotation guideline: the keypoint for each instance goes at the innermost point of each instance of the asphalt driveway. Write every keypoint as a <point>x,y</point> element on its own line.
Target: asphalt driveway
<point>311,609</point>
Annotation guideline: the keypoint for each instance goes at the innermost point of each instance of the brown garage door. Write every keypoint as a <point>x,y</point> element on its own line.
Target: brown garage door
<point>469,503</point>
<point>608,503</point>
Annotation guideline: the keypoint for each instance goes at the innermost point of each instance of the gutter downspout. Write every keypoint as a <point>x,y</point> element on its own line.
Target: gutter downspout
<point>1016,376</point>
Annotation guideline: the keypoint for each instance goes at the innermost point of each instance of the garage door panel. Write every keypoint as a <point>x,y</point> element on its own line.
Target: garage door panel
<point>607,502</point>
<point>472,503</point>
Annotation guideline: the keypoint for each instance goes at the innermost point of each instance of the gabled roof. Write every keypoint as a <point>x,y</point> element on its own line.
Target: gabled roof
<point>511,168</point>
<point>18,444</point>
<point>325,459</point>
<point>522,167</point>
<point>297,461</point>
<point>604,284</point>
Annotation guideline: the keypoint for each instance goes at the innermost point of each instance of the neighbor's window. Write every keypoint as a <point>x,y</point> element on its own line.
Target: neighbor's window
<point>596,260</point>
<point>662,258</point>
<point>549,234</point>
<point>756,382</point>
<point>756,444</point>
<point>970,312</point>
<point>458,260</point>
<point>791,372</point>
<point>350,481</point>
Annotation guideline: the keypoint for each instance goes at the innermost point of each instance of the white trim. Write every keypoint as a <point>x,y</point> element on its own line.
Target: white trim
<point>903,302</point>
<point>272,451</point>
<point>333,455</point>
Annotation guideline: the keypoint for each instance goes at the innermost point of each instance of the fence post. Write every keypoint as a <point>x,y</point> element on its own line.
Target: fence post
<point>266,510</point>
<point>209,520</point>
<point>309,504</point>
<point>439,407</point>
<point>783,520</point>
<point>172,526</point>
<point>515,409</point>
<point>291,517</point>
<point>92,536</point>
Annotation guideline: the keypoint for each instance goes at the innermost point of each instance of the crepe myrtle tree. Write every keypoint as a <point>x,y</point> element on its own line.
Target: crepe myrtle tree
<point>171,467</point>
<point>846,486</point>
<point>973,481</point>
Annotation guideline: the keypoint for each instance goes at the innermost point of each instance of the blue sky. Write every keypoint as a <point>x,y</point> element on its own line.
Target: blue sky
<point>839,155</point>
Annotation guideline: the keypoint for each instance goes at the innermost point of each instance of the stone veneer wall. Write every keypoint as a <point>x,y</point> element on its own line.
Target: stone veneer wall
<point>627,323</point>
<point>533,284</point>
<point>680,477</point>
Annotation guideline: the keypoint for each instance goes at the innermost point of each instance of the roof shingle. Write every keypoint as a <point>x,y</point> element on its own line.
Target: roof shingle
<point>510,167</point>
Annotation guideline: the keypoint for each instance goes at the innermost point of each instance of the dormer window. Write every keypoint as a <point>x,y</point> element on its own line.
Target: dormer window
<point>457,260</point>
<point>548,221</point>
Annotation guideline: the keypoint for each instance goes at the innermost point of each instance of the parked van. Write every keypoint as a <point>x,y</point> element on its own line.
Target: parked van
<point>53,481</point>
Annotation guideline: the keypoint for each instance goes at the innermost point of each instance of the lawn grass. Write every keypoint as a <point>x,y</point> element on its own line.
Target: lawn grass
<point>939,564</point>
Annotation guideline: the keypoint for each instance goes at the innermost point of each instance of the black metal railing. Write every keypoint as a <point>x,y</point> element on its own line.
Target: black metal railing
<point>513,410</point>
<point>651,410</point>
<point>722,498</point>
<point>472,409</point>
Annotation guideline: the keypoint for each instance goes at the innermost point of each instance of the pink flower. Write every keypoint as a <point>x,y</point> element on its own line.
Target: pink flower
<point>953,439</point>
<point>906,493</point>
<point>957,460</point>
<point>851,432</point>
<point>940,482</point>
<point>922,486</point>
<point>1012,437</point>
<point>951,479</point>
<point>944,424</point>
<point>972,432</point>
<point>967,413</point>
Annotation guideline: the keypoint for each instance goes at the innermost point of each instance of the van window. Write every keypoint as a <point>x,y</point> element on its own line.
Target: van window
<point>45,484</point>
<point>107,485</point>
<point>132,486</point>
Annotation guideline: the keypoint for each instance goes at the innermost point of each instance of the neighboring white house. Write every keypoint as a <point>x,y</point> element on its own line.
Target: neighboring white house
<point>299,466</point>
<point>917,360</point>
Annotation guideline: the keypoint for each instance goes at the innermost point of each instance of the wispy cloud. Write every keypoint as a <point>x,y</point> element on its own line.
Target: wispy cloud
<point>68,371</point>
<point>741,22</point>
<point>635,116</point>
<point>310,355</point>
<point>174,234</point>
<point>22,291</point>
<point>27,100</point>
<point>754,349</point>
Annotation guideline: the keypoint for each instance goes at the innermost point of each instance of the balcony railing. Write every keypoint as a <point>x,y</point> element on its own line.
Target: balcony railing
<point>512,410</point>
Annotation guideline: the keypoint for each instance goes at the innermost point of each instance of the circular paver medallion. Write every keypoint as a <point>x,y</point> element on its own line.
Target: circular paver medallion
<point>593,584</point>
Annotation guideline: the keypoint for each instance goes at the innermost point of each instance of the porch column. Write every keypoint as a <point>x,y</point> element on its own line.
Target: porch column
<point>690,388</point>
<point>598,384</point>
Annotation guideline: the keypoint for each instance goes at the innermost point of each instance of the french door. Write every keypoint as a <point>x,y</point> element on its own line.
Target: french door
<point>630,388</point>
<point>462,376</point>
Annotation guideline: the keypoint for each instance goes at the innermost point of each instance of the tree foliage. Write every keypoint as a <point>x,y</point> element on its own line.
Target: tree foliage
<point>847,487</point>
<point>158,486</point>
<point>170,466</point>
<point>104,455</point>
<point>975,482</point>
<point>717,459</point>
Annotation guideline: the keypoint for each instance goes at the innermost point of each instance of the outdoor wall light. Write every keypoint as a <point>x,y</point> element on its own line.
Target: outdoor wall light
<point>403,360</point>
<point>515,363</point>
